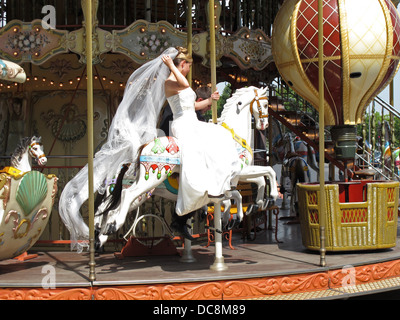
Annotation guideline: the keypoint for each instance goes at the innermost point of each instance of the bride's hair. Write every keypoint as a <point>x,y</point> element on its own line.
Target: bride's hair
<point>183,54</point>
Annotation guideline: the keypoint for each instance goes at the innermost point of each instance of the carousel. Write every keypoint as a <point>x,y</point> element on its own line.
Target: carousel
<point>311,214</point>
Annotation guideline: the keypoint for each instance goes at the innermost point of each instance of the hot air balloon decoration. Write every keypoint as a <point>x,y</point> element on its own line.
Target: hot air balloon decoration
<point>361,50</point>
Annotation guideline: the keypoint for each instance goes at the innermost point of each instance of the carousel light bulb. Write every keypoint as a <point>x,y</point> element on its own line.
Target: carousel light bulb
<point>104,78</point>
<point>61,84</point>
<point>35,78</point>
<point>78,78</point>
<point>111,81</point>
<point>51,82</point>
<point>44,79</point>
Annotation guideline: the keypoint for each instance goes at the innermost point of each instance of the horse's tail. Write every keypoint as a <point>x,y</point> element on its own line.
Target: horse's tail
<point>137,162</point>
<point>115,195</point>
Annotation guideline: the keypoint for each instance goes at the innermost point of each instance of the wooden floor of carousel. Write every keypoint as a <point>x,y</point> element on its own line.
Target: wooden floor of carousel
<point>259,269</point>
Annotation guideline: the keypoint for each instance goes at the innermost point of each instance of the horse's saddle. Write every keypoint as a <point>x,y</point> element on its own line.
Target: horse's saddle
<point>11,171</point>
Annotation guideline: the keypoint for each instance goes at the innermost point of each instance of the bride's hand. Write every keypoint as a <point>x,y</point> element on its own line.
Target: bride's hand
<point>167,60</point>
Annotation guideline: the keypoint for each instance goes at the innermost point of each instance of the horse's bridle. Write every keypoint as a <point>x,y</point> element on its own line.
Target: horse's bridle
<point>33,155</point>
<point>257,100</point>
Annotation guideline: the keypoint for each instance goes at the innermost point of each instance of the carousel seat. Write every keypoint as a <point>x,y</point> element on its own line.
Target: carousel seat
<point>365,174</point>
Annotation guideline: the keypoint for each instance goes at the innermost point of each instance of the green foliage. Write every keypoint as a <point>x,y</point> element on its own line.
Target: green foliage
<point>378,130</point>
<point>226,94</point>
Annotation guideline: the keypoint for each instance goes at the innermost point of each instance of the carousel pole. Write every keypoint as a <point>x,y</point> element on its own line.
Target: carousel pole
<point>321,108</point>
<point>187,255</point>
<point>219,264</point>
<point>213,57</point>
<point>89,64</point>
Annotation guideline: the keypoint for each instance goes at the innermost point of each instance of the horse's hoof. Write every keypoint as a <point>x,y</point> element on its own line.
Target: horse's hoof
<point>98,248</point>
<point>252,208</point>
<point>183,229</point>
<point>271,202</point>
<point>110,229</point>
<point>232,224</point>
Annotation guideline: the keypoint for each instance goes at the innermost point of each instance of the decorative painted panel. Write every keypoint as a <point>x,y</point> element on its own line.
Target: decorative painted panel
<point>144,41</point>
<point>30,42</point>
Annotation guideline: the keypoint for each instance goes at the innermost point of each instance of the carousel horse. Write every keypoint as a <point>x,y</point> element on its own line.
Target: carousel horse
<point>159,159</point>
<point>295,156</point>
<point>21,159</point>
<point>26,199</point>
<point>281,146</point>
<point>295,169</point>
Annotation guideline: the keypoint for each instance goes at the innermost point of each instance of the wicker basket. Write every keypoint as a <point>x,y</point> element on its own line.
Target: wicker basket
<point>363,225</point>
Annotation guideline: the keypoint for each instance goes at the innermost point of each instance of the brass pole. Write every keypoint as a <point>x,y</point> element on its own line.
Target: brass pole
<point>89,65</point>
<point>391,134</point>
<point>211,14</point>
<point>189,37</point>
<point>219,264</point>
<point>322,212</point>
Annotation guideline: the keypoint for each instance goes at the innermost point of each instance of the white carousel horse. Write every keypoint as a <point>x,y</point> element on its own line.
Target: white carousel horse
<point>26,199</point>
<point>160,158</point>
<point>21,159</point>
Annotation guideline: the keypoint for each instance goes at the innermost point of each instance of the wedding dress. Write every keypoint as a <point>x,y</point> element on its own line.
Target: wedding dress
<point>209,160</point>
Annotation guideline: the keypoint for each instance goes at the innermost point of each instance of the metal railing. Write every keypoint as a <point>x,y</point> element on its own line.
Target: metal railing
<point>114,14</point>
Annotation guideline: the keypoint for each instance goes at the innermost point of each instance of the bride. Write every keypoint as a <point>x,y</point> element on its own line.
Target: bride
<point>209,160</point>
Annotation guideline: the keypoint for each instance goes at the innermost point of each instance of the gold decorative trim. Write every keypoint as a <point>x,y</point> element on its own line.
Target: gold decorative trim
<point>385,65</point>
<point>329,116</point>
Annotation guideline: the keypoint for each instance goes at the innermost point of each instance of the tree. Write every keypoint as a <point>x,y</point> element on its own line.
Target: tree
<point>226,94</point>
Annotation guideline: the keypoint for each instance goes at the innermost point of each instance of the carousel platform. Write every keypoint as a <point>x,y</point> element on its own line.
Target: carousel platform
<point>259,270</point>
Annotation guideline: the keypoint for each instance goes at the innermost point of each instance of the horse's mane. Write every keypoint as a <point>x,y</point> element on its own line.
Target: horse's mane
<point>231,102</point>
<point>20,150</point>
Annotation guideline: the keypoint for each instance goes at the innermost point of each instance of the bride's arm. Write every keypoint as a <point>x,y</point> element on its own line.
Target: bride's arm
<point>180,78</point>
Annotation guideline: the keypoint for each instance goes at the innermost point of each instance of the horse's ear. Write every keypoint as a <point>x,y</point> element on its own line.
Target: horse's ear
<point>264,90</point>
<point>36,138</point>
